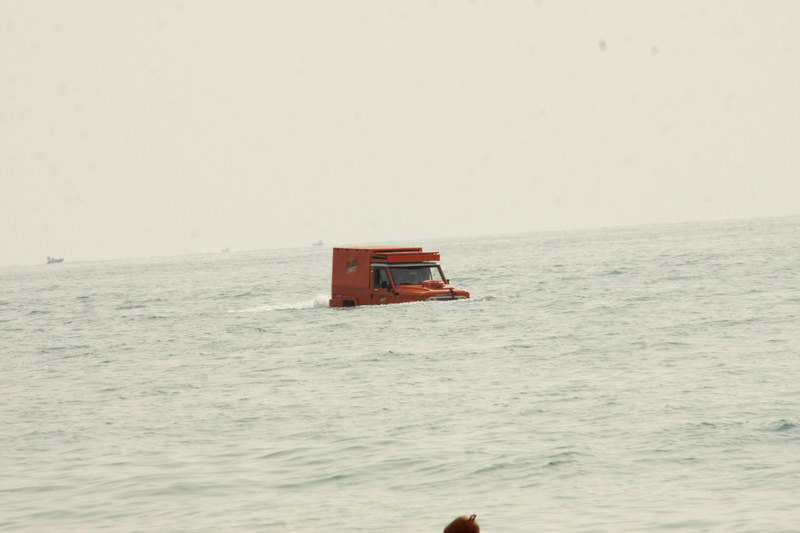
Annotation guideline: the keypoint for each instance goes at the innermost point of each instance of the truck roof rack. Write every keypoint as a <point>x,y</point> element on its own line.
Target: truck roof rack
<point>405,257</point>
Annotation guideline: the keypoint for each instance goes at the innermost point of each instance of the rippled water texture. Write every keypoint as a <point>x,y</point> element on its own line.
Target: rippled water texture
<point>614,380</point>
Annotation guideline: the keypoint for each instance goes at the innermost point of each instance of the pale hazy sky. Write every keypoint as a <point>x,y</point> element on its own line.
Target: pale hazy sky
<point>144,128</point>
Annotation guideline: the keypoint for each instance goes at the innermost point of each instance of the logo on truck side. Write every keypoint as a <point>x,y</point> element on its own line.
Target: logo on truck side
<point>351,266</point>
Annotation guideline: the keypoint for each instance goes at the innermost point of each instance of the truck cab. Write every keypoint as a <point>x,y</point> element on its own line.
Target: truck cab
<point>386,275</point>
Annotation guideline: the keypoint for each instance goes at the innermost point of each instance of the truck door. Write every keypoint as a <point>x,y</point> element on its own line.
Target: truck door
<point>382,286</point>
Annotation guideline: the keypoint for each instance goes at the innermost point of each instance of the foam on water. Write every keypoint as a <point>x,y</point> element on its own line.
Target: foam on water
<point>319,301</point>
<point>623,379</point>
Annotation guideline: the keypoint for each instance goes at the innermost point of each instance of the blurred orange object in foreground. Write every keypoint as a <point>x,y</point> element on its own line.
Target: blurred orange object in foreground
<point>463,524</point>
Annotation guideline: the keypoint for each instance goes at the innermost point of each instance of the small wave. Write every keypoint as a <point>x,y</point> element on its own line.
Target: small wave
<point>50,288</point>
<point>391,353</point>
<point>126,307</point>
<point>51,349</point>
<point>320,300</point>
<point>782,425</point>
<point>492,468</point>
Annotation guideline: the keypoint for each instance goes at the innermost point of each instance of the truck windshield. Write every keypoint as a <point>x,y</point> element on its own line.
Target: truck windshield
<point>415,275</point>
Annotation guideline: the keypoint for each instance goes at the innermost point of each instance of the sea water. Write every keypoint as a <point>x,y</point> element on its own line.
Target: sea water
<point>624,379</point>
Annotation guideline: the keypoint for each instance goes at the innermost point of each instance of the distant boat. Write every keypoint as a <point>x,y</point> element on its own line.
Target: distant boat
<point>51,260</point>
<point>318,243</point>
<point>226,250</point>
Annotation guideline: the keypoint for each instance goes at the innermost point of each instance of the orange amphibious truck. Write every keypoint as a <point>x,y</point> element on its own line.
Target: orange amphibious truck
<point>372,275</point>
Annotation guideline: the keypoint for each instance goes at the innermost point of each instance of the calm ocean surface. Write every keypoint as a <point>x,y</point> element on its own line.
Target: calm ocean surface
<point>626,379</point>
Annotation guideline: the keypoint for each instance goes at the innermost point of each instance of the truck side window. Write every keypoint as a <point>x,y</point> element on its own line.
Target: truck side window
<point>381,280</point>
